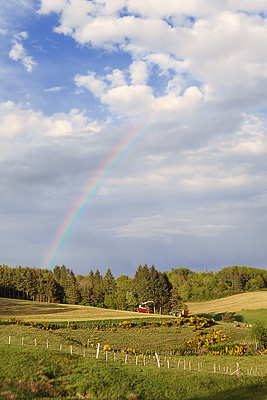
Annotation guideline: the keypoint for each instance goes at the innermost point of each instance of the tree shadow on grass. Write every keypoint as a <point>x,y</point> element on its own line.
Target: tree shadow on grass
<point>12,309</point>
<point>255,392</point>
<point>219,316</point>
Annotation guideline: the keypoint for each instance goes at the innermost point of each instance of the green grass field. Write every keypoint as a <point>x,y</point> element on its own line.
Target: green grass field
<point>30,373</point>
<point>60,363</point>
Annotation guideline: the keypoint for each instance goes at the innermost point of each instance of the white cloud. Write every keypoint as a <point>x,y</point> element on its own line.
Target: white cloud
<point>90,82</point>
<point>116,78</point>
<point>32,126</point>
<point>48,6</point>
<point>55,89</point>
<point>217,48</point>
<point>21,35</point>
<point>166,227</point>
<point>139,73</point>
<point>18,52</point>
<point>129,100</point>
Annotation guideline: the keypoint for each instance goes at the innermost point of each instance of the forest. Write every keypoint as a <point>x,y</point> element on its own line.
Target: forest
<point>168,290</point>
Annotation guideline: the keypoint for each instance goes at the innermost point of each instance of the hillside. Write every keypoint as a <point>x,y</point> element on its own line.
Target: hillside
<point>242,301</point>
<point>29,310</point>
<point>32,310</point>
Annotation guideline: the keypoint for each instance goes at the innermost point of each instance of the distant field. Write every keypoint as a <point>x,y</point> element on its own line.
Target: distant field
<point>32,310</point>
<point>29,310</point>
<point>238,302</point>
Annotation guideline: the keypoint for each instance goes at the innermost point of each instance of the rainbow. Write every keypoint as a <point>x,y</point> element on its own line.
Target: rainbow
<point>92,188</point>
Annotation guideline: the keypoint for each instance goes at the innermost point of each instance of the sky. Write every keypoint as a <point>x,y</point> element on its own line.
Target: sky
<point>187,80</point>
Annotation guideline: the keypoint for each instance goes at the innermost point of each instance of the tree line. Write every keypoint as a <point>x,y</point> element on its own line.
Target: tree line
<point>167,290</point>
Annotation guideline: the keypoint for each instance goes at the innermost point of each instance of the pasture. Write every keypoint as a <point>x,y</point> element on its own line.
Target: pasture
<point>71,352</point>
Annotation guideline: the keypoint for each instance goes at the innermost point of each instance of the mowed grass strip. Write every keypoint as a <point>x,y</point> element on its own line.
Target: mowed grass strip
<point>42,312</point>
<point>237,302</point>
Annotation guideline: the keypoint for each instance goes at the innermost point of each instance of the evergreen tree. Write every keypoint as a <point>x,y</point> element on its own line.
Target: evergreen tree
<point>131,300</point>
<point>142,285</point>
<point>73,291</point>
<point>109,284</point>
<point>50,288</point>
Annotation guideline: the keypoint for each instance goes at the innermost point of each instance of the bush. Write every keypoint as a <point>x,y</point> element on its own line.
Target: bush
<point>228,317</point>
<point>258,333</point>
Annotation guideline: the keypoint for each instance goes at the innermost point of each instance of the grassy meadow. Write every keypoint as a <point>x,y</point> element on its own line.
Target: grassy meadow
<point>54,355</point>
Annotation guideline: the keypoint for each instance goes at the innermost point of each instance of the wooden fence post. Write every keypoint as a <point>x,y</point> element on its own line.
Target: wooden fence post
<point>157,357</point>
<point>97,351</point>
<point>9,340</point>
<point>238,370</point>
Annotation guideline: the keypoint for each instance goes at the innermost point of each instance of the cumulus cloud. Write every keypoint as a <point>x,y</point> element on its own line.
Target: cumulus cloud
<point>48,6</point>
<point>213,48</point>
<point>90,82</point>
<point>15,121</point>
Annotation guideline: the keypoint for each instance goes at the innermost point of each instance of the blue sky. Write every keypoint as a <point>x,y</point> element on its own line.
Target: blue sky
<point>77,76</point>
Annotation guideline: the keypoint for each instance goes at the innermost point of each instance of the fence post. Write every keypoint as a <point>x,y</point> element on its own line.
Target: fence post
<point>71,349</point>
<point>97,351</point>
<point>106,356</point>
<point>9,340</point>
<point>125,358</point>
<point>60,347</point>
<point>35,343</point>
<point>157,357</point>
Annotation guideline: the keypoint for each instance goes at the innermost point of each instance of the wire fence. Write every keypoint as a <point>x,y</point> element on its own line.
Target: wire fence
<point>97,351</point>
